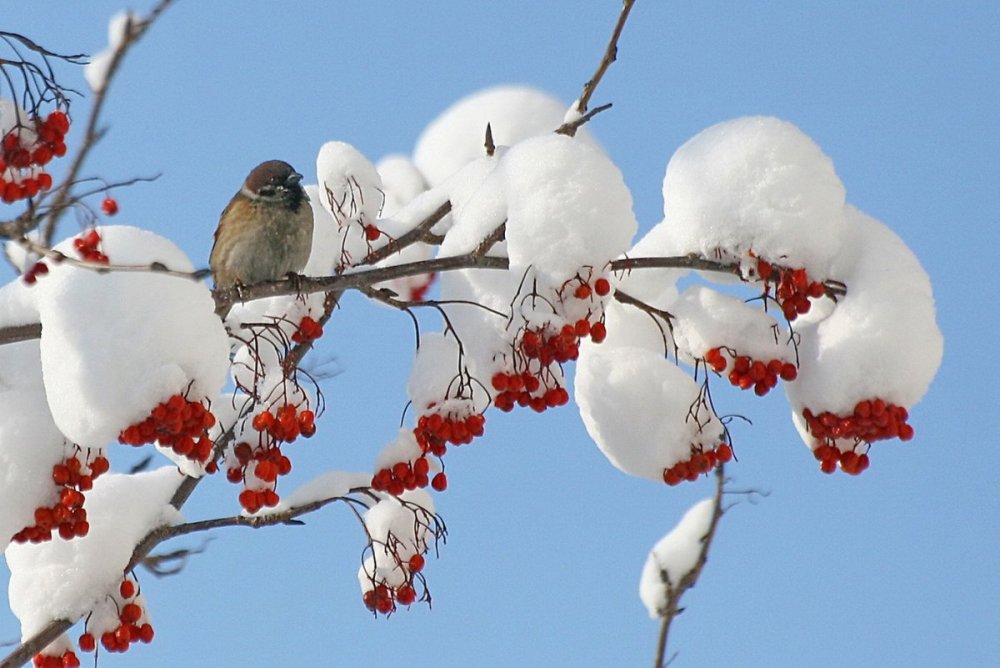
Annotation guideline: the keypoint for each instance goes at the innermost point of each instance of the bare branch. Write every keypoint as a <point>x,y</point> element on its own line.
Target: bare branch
<point>491,147</point>
<point>414,235</point>
<point>134,30</point>
<point>610,55</point>
<point>20,333</point>
<point>689,579</point>
<point>569,128</point>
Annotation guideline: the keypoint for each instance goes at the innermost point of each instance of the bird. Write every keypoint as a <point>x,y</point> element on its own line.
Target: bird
<point>265,232</point>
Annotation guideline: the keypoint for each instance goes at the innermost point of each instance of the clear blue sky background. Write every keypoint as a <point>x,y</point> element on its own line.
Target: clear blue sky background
<point>895,568</point>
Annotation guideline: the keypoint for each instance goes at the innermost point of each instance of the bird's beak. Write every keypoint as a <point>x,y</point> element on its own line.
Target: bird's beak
<point>293,179</point>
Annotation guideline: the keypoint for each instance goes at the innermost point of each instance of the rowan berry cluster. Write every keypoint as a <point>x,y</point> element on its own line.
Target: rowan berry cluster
<point>88,246</point>
<point>258,468</point>
<point>177,423</point>
<point>793,288</point>
<point>132,623</point>
<point>382,598</point>
<point>746,372</point>
<point>433,433</point>
<point>700,462</point>
<point>67,517</point>
<point>529,378</point>
<point>67,659</point>
<point>308,330</point>
<point>520,389</point>
<point>403,476</point>
<point>30,277</point>
<point>872,420</point>
<point>286,423</point>
<point>26,151</point>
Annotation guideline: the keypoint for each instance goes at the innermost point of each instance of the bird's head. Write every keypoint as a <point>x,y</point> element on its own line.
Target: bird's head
<point>274,181</point>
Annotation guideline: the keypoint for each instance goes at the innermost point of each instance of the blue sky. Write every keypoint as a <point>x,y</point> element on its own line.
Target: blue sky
<point>547,540</point>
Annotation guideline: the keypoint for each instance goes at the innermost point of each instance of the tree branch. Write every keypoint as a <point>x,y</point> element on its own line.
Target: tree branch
<point>689,579</point>
<point>64,198</point>
<point>610,55</point>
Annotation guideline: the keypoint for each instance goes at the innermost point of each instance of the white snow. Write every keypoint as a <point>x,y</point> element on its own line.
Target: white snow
<point>96,71</point>
<point>567,206</point>
<point>64,579</point>
<point>324,486</point>
<point>325,240</point>
<point>674,556</point>
<point>398,529</point>
<point>30,443</point>
<point>755,184</point>
<point>434,372</point>
<point>116,344</point>
<point>458,135</point>
<point>478,206</point>
<point>707,319</point>
<point>401,182</point>
<point>881,340</point>
<point>637,407</point>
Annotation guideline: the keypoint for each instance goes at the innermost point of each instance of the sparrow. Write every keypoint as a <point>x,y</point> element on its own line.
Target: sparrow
<point>265,232</point>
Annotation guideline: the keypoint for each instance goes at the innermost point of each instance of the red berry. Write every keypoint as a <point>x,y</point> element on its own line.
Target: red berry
<point>723,453</point>
<point>372,233</point>
<point>439,482</point>
<point>416,563</point>
<point>602,286</point>
<point>87,642</point>
<point>109,206</point>
<point>131,613</point>
<point>405,595</point>
<point>598,332</point>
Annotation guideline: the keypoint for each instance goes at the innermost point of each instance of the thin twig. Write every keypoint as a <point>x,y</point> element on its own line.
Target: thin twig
<point>134,31</point>
<point>610,55</point>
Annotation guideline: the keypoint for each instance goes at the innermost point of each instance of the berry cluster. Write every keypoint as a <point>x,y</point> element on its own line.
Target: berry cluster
<point>584,290</point>
<point>746,372</point>
<point>829,456</point>
<point>382,598</point>
<point>36,270</point>
<point>286,423</point>
<point>177,423</point>
<point>258,468</point>
<point>67,659</point>
<point>531,383</point>
<point>794,288</point>
<point>520,389</point>
<point>403,476</point>
<point>21,173</point>
<point>308,330</point>
<point>133,624</point>
<point>88,246</point>
<point>67,517</point>
<point>872,420</point>
<point>699,463</point>
<point>433,433</point>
